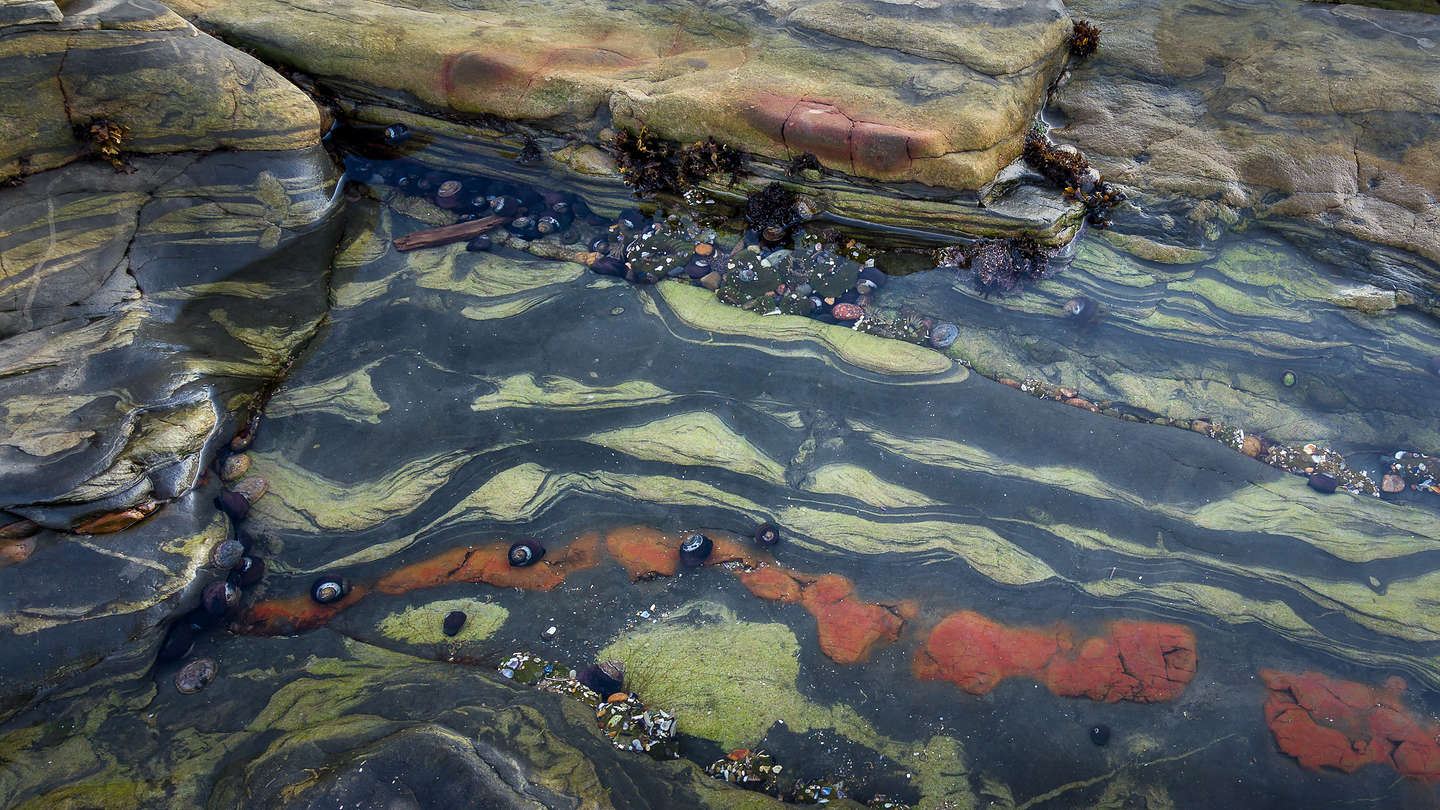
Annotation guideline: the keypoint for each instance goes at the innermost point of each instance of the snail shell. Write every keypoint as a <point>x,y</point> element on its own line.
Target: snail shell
<point>526,552</point>
<point>695,550</point>
<point>329,588</point>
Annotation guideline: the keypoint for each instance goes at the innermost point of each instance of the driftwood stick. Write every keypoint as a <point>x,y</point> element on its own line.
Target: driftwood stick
<point>459,232</point>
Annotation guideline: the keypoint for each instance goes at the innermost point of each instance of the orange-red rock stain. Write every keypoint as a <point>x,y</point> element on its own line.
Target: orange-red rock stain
<point>1325,722</point>
<point>1145,662</point>
<point>293,615</point>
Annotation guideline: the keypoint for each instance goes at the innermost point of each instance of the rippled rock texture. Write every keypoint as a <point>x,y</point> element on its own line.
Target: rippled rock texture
<point>140,305</point>
<point>1306,114</point>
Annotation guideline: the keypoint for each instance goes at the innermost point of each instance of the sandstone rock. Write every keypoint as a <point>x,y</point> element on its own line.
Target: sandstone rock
<point>138,64</point>
<point>1165,109</point>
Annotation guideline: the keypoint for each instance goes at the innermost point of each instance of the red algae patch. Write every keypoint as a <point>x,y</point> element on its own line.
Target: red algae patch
<point>1145,662</point>
<point>292,616</point>
<point>771,583</point>
<point>645,552</point>
<point>848,628</point>
<point>1325,722</point>
<point>491,565</point>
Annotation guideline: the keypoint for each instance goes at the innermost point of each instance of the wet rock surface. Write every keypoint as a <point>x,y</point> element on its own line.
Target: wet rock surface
<point>1214,113</point>
<point>139,308</point>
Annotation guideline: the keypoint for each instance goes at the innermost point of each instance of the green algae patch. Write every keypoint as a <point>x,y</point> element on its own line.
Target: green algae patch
<point>422,624</point>
<point>489,275</point>
<point>857,482</point>
<point>300,500</point>
<point>699,309</point>
<point>696,438</point>
<point>727,680</point>
<point>350,396</point>
<point>515,493</point>
<point>562,393</point>
<point>1144,248</point>
<point>987,552</point>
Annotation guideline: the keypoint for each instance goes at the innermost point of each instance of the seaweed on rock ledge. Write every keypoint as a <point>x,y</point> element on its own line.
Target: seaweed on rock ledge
<point>650,165</point>
<point>1066,167</point>
<point>1084,39</point>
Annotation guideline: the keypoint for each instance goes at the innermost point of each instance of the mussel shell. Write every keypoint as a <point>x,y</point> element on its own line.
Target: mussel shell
<point>329,589</point>
<point>526,552</point>
<point>767,534</point>
<point>696,550</point>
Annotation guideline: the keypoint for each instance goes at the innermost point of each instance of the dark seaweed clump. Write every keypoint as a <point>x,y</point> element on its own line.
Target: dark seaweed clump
<point>530,151</point>
<point>1066,167</point>
<point>805,161</point>
<point>108,138</point>
<point>652,165</point>
<point>1084,39</point>
<point>998,265</point>
<point>770,212</point>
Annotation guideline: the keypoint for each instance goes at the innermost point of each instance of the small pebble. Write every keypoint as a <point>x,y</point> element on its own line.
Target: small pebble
<point>233,504</point>
<point>454,620</point>
<point>1323,482</point>
<point>1100,734</point>
<point>251,487</point>
<point>550,633</point>
<point>234,467</point>
<point>196,675</point>
<point>228,554</point>
<point>1288,379</point>
<point>1391,483</point>
<point>480,244</point>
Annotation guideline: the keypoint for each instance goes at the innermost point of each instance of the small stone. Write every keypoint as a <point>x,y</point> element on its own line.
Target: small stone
<point>196,675</point>
<point>1288,379</point>
<point>550,633</point>
<point>19,529</point>
<point>116,521</point>
<point>234,467</point>
<point>617,311</point>
<point>1323,482</point>
<point>1391,483</point>
<point>1252,446</point>
<point>454,620</point>
<point>16,551</point>
<point>228,554</point>
<point>233,504</point>
<point>251,487</point>
<point>710,281</point>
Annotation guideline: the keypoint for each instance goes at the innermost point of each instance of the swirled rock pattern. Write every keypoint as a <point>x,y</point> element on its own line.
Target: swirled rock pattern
<point>139,309</point>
